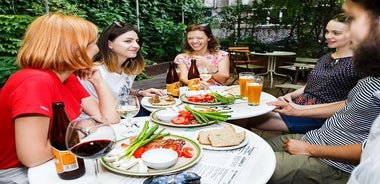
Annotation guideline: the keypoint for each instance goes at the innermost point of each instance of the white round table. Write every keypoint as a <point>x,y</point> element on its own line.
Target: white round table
<point>272,59</point>
<point>253,163</point>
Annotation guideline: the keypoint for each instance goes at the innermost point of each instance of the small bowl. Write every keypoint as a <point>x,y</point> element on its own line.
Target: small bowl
<point>166,115</point>
<point>160,158</point>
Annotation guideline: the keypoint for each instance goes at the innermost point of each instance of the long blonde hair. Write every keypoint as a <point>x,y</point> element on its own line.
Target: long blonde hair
<point>57,42</point>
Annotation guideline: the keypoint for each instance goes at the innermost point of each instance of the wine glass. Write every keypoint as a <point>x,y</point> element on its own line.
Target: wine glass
<point>205,75</point>
<point>88,138</point>
<point>128,107</point>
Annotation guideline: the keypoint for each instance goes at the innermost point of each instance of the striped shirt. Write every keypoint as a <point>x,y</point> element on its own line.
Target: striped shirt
<point>350,125</point>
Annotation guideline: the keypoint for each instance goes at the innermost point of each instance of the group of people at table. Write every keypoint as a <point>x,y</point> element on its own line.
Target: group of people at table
<point>328,121</point>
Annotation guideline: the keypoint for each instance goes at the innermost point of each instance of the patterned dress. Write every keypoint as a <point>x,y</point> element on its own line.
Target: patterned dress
<point>329,81</point>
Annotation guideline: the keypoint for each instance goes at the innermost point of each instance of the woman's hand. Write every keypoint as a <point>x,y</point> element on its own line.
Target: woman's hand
<point>152,92</point>
<point>202,61</point>
<point>297,147</point>
<point>205,85</point>
<point>90,74</point>
<point>285,98</point>
<point>283,107</point>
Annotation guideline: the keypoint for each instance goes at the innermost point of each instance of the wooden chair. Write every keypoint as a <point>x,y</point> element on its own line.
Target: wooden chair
<point>241,61</point>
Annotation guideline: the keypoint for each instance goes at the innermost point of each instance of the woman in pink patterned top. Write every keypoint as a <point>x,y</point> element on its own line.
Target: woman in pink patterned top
<point>201,45</point>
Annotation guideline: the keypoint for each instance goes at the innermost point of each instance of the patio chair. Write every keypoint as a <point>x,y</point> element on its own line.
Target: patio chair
<point>241,61</point>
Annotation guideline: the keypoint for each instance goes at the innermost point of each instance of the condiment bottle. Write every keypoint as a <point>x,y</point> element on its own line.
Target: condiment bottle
<point>172,81</point>
<point>68,166</point>
<point>194,82</point>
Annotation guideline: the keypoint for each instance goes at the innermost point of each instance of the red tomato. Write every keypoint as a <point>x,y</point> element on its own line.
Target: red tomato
<point>185,114</point>
<point>208,98</point>
<point>192,99</point>
<point>139,152</point>
<point>173,147</point>
<point>187,152</point>
<point>179,120</point>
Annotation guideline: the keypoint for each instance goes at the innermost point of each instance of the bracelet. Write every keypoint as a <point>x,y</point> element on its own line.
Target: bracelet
<point>138,92</point>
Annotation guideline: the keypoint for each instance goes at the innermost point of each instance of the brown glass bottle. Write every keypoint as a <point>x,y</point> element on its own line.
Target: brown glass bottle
<point>172,81</point>
<point>68,166</point>
<point>194,82</point>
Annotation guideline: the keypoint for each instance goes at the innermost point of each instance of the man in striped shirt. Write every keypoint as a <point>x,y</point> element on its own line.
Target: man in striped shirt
<point>330,153</point>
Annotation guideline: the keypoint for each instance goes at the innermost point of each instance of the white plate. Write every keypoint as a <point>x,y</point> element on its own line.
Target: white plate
<point>146,103</point>
<point>209,147</point>
<point>182,163</point>
<point>153,117</point>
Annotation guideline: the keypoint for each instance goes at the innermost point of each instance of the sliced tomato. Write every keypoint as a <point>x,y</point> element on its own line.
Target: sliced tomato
<point>192,99</point>
<point>187,152</point>
<point>139,152</point>
<point>208,98</point>
<point>179,120</point>
<point>173,147</point>
<point>185,114</point>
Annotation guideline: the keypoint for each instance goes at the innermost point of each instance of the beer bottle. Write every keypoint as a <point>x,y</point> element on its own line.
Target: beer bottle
<point>172,81</point>
<point>68,166</point>
<point>194,82</point>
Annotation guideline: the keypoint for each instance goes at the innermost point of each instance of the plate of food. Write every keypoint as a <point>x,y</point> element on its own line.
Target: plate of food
<point>189,153</point>
<point>189,116</point>
<point>223,138</point>
<point>176,118</point>
<point>211,98</point>
<point>160,101</point>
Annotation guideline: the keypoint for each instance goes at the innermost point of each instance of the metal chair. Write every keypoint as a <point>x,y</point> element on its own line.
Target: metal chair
<point>241,61</point>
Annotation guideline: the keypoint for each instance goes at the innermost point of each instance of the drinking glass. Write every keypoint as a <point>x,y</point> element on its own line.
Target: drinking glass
<point>205,75</point>
<point>244,77</point>
<point>90,139</point>
<point>254,89</point>
<point>128,107</point>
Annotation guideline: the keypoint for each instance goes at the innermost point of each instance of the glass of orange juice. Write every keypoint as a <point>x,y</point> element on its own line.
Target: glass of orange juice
<point>244,77</point>
<point>254,88</point>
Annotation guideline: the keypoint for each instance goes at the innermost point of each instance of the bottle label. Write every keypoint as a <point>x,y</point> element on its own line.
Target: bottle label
<point>173,89</point>
<point>194,84</point>
<point>64,160</point>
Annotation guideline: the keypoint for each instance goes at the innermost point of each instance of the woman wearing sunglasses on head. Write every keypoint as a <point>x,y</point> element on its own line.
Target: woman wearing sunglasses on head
<point>120,60</point>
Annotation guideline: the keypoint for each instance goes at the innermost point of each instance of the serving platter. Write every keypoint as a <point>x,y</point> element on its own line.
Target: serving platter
<point>182,163</point>
<point>145,102</point>
<point>153,117</point>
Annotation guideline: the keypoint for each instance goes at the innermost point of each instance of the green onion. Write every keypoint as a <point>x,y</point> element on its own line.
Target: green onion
<point>206,117</point>
<point>222,99</point>
<point>146,135</point>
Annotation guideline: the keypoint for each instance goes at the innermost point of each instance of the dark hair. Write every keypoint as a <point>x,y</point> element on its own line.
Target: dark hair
<point>373,6</point>
<point>341,17</point>
<point>132,66</point>
<point>212,45</point>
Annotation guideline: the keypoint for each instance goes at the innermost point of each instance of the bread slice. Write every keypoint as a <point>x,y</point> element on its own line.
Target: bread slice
<point>203,137</point>
<point>226,140</point>
<point>223,137</point>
